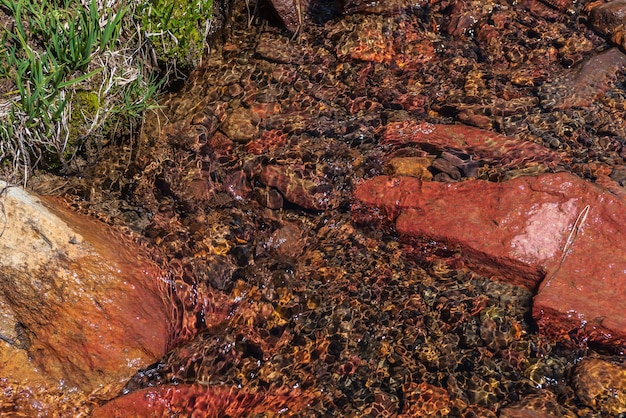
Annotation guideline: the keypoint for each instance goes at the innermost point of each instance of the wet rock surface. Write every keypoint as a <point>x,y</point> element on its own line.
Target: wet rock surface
<point>246,179</point>
<point>78,313</point>
<point>553,231</point>
<point>187,400</point>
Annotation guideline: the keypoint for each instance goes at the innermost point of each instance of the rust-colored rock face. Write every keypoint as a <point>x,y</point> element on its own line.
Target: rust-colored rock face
<point>489,145</point>
<point>83,301</point>
<point>510,229</point>
<point>201,401</point>
<point>554,227</point>
<point>583,296</point>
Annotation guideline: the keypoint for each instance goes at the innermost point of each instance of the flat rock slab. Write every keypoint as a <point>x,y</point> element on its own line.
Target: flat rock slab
<point>518,230</point>
<point>490,146</point>
<point>200,400</point>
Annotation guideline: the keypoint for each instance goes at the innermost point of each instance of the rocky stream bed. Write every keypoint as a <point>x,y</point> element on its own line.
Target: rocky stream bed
<point>400,208</point>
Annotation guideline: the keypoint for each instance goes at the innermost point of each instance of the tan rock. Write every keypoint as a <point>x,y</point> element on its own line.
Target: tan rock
<point>82,305</point>
<point>411,166</point>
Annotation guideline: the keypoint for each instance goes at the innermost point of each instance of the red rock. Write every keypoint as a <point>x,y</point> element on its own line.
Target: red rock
<point>584,297</point>
<point>90,300</point>
<point>489,145</point>
<point>201,401</point>
<point>518,230</point>
<point>267,142</point>
<point>490,230</point>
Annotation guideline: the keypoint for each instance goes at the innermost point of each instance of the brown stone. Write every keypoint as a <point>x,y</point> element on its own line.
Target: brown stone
<point>586,83</point>
<point>300,186</point>
<point>291,12</point>
<point>524,413</point>
<point>543,404</point>
<point>239,125</point>
<point>425,400</point>
<point>518,230</point>
<point>82,304</point>
<point>601,385</point>
<point>609,17</point>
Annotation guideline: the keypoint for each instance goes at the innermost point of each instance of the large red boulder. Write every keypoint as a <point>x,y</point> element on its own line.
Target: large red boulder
<point>554,229</point>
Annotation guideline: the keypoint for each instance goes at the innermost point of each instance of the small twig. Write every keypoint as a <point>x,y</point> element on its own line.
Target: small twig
<point>580,220</point>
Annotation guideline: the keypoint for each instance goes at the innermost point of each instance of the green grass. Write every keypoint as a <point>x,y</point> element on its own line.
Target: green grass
<point>81,72</point>
<point>177,29</point>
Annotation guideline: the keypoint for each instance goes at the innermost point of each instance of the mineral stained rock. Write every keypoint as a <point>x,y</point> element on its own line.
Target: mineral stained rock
<point>84,302</point>
<point>300,186</point>
<point>610,19</point>
<point>199,400</point>
<point>489,145</point>
<point>553,229</point>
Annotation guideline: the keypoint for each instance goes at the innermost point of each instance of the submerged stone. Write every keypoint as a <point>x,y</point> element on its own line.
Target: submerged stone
<point>300,186</point>
<point>554,229</point>
<point>586,83</point>
<point>412,167</point>
<point>81,301</point>
<point>601,385</point>
<point>608,18</point>
<point>200,400</point>
<point>489,145</point>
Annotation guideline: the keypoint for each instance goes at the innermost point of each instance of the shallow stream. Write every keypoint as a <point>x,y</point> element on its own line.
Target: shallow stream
<point>244,181</point>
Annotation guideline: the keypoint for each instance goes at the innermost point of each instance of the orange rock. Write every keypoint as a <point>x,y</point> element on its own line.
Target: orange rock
<point>89,302</point>
<point>411,166</point>
<point>371,43</point>
<point>601,385</point>
<point>425,400</point>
